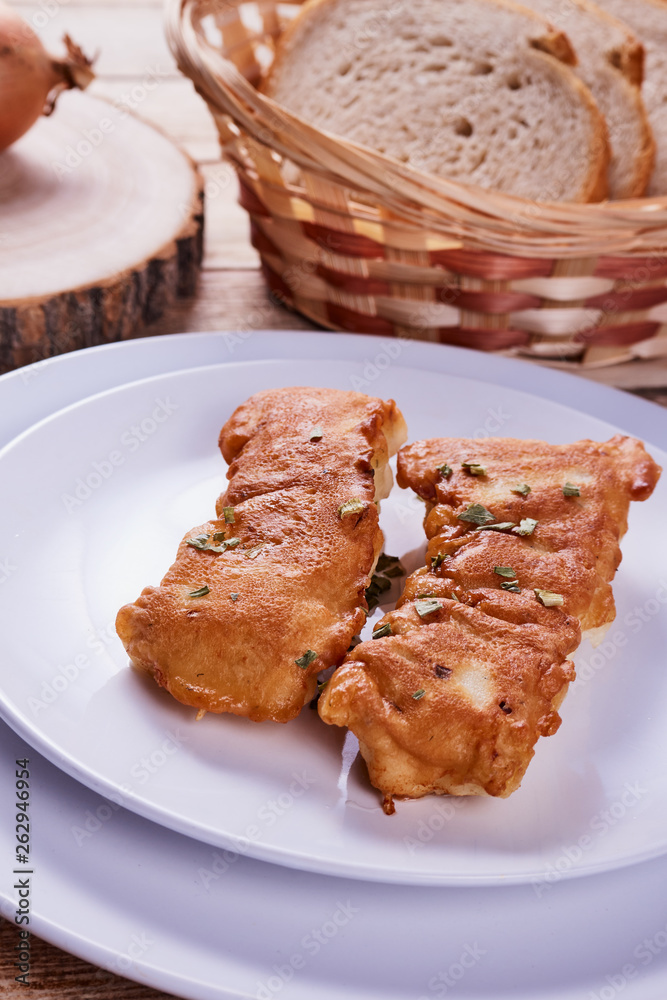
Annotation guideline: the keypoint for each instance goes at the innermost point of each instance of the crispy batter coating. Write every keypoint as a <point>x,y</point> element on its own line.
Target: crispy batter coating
<point>247,629</point>
<point>574,548</point>
<point>455,696</point>
<point>455,702</point>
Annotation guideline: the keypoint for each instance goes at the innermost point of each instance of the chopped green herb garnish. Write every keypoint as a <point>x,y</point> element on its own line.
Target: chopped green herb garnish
<point>351,507</point>
<point>383,631</point>
<point>438,560</point>
<point>254,551</point>
<point>316,434</point>
<point>419,694</point>
<point>501,526</point>
<point>427,606</point>
<point>523,489</point>
<point>234,597</point>
<point>455,598</point>
<point>379,585</point>
<point>444,470</point>
<point>200,542</point>
<point>390,566</point>
<point>229,515</point>
<point>505,571</point>
<point>305,661</point>
<point>230,543</point>
<point>205,543</point>
<point>201,592</point>
<point>476,513</point>
<point>548,599</point>
<point>527,527</point>
<point>510,585</point>
<point>473,468</point>
<point>570,490</point>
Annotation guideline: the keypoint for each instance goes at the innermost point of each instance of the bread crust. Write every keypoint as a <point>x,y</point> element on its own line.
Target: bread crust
<point>628,57</point>
<point>595,186</point>
<point>645,156</point>
<point>610,63</point>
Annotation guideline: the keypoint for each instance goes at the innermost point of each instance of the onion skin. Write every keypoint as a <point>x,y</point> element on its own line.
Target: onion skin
<point>30,79</point>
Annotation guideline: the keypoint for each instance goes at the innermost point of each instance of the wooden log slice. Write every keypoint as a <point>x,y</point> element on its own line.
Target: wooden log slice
<point>101,224</point>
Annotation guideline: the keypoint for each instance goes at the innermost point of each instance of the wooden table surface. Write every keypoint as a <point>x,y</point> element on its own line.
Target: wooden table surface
<point>135,68</point>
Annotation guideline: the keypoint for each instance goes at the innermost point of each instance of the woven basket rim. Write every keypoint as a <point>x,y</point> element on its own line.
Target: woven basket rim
<point>478,217</point>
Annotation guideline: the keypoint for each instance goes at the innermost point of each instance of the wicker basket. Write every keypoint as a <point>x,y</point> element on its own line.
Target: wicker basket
<point>357,241</point>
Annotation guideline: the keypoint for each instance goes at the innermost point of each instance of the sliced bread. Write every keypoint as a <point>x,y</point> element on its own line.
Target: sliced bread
<point>648,20</point>
<point>472,90</point>
<point>609,62</point>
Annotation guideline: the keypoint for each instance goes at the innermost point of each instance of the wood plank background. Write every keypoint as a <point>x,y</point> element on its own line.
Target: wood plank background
<point>136,70</point>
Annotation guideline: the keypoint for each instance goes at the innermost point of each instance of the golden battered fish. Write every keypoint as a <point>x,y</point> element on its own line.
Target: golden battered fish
<point>453,702</point>
<point>552,514</point>
<point>457,685</point>
<point>271,592</point>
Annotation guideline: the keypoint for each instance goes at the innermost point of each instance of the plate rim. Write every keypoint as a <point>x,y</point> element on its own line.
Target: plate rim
<point>589,397</point>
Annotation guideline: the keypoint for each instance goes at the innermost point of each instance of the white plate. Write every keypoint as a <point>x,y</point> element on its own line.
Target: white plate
<point>269,791</point>
<point>154,906</point>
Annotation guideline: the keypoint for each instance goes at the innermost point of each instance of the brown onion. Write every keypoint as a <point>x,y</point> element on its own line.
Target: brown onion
<point>30,79</point>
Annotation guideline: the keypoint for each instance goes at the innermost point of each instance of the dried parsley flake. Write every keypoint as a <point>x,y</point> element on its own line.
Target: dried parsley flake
<point>427,605</point>
<point>477,514</point>
<point>351,507</point>
<point>473,468</point>
<point>527,527</point>
<point>305,661</point>
<point>548,599</point>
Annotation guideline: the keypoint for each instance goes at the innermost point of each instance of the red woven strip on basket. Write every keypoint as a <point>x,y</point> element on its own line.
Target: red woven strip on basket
<point>353,283</point>
<point>617,336</point>
<point>249,200</point>
<point>356,322</point>
<point>492,267</point>
<point>629,299</point>
<point>351,244</point>
<point>279,288</point>
<point>482,340</point>
<point>637,269</point>
<point>261,241</point>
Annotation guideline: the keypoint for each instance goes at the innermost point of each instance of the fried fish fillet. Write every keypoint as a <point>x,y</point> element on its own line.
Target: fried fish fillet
<point>457,685</point>
<point>572,501</point>
<point>454,702</point>
<point>269,593</point>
